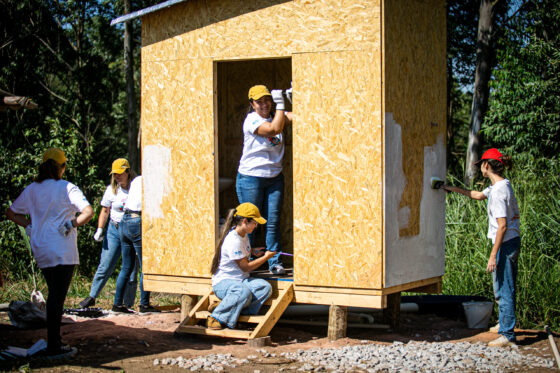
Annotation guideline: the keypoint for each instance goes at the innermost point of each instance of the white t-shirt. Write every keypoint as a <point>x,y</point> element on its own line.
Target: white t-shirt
<point>234,248</point>
<point>262,156</point>
<point>502,204</point>
<point>115,202</point>
<point>50,203</point>
<point>134,201</point>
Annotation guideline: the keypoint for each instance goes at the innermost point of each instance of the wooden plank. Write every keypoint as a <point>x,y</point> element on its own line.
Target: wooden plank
<point>191,319</point>
<point>228,333</point>
<point>274,313</point>
<point>252,319</point>
<point>352,300</point>
<point>413,286</point>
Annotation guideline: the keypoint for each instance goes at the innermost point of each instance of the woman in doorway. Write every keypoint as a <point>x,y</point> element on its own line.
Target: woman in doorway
<point>503,230</point>
<point>259,178</point>
<point>52,204</point>
<point>238,292</point>
<point>112,209</point>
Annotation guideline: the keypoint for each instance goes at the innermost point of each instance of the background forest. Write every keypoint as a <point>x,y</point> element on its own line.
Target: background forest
<point>70,61</point>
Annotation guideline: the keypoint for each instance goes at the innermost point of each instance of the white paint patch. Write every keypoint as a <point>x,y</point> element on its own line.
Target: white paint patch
<point>156,172</point>
<point>418,257</point>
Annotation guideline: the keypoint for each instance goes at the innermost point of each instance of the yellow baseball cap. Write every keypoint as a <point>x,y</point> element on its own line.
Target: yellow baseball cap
<point>119,166</point>
<point>55,154</point>
<point>258,91</point>
<point>248,210</point>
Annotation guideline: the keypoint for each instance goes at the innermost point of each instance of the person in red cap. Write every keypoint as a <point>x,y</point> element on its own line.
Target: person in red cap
<point>503,230</point>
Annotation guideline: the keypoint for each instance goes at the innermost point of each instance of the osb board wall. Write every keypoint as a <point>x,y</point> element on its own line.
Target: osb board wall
<point>178,167</point>
<point>415,63</point>
<point>248,29</point>
<point>338,169</point>
<point>234,80</point>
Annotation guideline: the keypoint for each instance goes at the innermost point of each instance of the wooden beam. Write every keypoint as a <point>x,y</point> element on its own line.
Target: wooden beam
<point>274,313</point>
<point>337,322</point>
<point>187,302</point>
<point>392,313</point>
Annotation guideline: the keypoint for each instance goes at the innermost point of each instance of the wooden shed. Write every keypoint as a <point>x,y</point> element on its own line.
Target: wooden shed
<point>369,104</point>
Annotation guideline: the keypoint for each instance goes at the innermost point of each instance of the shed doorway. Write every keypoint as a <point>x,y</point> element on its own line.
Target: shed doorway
<point>233,80</point>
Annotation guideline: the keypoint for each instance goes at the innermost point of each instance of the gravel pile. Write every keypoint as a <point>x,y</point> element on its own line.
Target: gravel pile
<point>398,357</point>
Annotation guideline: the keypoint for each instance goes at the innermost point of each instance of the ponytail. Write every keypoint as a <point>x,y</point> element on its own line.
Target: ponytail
<point>231,221</point>
<point>499,167</point>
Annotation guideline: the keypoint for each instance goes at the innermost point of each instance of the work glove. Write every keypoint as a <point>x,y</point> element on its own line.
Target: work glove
<point>28,230</point>
<point>98,236</point>
<point>65,228</point>
<point>278,99</point>
<point>289,94</point>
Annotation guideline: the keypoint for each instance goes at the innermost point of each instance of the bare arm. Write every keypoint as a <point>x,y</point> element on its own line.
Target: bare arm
<point>19,219</point>
<point>500,233</point>
<point>103,216</point>
<point>84,217</point>
<point>469,193</point>
<point>248,266</point>
<point>276,126</point>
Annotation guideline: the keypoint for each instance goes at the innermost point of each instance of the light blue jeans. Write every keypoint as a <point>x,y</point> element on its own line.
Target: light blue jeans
<point>239,297</point>
<point>504,282</point>
<point>110,254</point>
<point>267,194</point>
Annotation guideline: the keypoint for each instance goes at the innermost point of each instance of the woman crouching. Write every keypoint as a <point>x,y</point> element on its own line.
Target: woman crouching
<point>239,293</point>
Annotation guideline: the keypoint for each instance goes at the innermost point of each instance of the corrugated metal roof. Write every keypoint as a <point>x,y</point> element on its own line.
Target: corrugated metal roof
<point>143,12</point>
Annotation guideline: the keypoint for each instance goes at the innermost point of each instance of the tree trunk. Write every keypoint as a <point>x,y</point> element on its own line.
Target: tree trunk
<point>130,93</point>
<point>484,59</point>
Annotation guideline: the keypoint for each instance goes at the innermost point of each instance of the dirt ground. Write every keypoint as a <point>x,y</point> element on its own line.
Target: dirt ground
<point>130,343</point>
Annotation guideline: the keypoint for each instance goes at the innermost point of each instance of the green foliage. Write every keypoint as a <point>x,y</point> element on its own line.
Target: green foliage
<point>467,248</point>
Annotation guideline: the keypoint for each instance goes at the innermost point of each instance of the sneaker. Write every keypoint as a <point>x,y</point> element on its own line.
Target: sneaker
<point>64,352</point>
<point>213,306</point>
<point>495,328</point>
<point>148,308</point>
<point>87,303</point>
<point>212,323</point>
<point>277,270</point>
<point>501,341</point>
<point>121,309</point>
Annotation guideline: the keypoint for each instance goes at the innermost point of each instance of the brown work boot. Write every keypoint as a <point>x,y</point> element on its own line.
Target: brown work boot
<point>213,306</point>
<point>212,323</point>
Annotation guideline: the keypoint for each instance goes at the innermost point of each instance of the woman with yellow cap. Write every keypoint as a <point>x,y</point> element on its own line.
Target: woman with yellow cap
<point>231,265</point>
<point>52,204</point>
<point>259,176</point>
<point>112,209</point>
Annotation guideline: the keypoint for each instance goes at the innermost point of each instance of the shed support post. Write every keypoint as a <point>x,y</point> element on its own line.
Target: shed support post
<point>337,322</point>
<point>392,313</point>
<point>187,303</point>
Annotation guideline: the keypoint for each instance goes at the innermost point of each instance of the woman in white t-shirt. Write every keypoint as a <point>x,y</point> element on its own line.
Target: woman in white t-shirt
<point>52,204</point>
<point>503,230</point>
<point>231,265</point>
<point>112,209</point>
<point>259,178</point>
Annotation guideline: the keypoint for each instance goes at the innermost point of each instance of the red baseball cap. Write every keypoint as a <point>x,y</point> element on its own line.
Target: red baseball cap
<point>491,153</point>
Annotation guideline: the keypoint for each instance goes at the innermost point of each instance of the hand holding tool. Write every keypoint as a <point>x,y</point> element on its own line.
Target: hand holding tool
<point>437,183</point>
<point>278,99</point>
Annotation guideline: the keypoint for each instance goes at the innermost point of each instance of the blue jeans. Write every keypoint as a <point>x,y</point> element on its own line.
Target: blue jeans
<point>110,254</point>
<point>504,278</point>
<point>238,297</point>
<point>267,194</point>
<point>131,243</point>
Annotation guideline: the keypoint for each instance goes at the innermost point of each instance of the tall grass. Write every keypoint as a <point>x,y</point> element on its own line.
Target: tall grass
<point>467,248</point>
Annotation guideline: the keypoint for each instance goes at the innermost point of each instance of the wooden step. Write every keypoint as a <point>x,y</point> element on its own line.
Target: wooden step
<point>202,330</point>
<point>253,319</point>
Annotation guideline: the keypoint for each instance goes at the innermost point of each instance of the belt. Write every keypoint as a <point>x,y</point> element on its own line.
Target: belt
<point>133,214</point>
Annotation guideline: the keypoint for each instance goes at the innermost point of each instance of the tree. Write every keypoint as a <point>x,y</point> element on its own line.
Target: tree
<point>133,144</point>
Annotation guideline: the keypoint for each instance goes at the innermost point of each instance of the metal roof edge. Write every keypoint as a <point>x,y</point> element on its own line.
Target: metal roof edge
<point>143,12</point>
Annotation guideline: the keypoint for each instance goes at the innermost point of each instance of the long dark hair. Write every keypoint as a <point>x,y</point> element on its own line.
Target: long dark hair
<point>49,170</point>
<point>231,222</point>
<point>499,167</point>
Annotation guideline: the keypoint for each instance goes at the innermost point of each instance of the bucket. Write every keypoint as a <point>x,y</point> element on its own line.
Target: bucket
<point>478,314</point>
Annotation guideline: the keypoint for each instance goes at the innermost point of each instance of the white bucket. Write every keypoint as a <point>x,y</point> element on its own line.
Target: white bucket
<point>478,314</point>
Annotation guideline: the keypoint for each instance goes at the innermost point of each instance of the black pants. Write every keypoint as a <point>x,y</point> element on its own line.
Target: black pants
<point>58,281</point>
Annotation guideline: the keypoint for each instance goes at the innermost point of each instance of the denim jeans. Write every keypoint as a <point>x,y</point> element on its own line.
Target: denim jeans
<point>504,278</point>
<point>246,297</point>
<point>110,254</point>
<point>131,241</point>
<point>58,280</point>
<point>267,194</point>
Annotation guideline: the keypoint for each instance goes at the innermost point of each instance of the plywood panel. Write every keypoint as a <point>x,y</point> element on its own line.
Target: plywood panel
<point>267,28</point>
<point>337,169</point>
<point>178,167</point>
<point>415,99</point>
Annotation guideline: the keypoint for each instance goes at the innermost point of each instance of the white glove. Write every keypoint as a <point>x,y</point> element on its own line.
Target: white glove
<point>278,98</point>
<point>289,94</point>
<point>98,236</point>
<point>65,227</point>
<point>28,230</point>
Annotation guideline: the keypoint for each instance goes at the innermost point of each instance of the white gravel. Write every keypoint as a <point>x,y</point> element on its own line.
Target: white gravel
<point>397,357</point>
